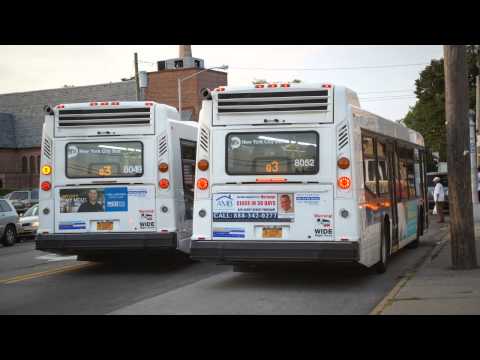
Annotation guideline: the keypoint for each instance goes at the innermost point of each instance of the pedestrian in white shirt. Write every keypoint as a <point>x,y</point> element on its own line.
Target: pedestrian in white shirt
<point>439,198</point>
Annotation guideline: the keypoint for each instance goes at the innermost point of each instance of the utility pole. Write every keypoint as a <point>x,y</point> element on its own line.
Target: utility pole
<point>462,236</point>
<point>135,60</point>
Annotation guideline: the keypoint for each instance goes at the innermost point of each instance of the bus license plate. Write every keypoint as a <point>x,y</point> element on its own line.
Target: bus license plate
<point>272,232</point>
<point>105,225</point>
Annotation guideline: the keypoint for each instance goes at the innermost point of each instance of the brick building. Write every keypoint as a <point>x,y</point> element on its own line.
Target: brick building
<point>22,114</point>
<point>163,84</point>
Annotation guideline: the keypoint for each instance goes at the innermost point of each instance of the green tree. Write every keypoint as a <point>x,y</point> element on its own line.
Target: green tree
<point>427,116</point>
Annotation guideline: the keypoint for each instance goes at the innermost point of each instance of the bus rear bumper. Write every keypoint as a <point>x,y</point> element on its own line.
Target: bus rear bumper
<point>105,242</point>
<point>231,252</point>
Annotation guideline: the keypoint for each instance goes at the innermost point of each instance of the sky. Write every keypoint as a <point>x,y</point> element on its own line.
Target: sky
<point>383,76</point>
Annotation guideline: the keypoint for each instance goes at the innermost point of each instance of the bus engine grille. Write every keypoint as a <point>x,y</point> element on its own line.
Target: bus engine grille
<point>317,100</point>
<point>104,117</point>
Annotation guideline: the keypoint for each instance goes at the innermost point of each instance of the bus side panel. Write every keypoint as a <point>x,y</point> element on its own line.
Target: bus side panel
<point>46,207</point>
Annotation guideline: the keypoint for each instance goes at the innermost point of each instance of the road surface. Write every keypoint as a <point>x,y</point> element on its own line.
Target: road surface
<point>35,282</point>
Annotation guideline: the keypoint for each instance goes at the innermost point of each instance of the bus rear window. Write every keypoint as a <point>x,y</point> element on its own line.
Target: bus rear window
<point>104,159</point>
<point>265,153</point>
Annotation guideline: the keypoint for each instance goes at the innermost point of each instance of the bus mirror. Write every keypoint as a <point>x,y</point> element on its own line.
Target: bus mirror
<point>206,94</point>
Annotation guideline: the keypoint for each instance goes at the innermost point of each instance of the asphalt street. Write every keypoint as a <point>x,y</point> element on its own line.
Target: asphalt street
<point>35,282</point>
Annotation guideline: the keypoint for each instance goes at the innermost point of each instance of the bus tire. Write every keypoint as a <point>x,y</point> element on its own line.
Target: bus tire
<point>9,236</point>
<point>381,266</point>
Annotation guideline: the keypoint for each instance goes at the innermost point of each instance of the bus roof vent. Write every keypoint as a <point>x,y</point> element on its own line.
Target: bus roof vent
<point>47,147</point>
<point>204,139</point>
<point>257,102</point>
<point>342,137</point>
<point>104,117</point>
<point>162,146</point>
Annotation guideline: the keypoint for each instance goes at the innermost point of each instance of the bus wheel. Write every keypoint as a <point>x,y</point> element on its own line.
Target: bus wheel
<point>381,266</point>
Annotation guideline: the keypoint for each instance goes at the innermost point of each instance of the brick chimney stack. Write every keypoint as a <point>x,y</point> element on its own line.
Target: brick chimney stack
<point>184,51</point>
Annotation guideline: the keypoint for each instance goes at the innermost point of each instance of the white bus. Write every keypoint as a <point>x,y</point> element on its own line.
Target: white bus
<point>116,177</point>
<point>300,173</point>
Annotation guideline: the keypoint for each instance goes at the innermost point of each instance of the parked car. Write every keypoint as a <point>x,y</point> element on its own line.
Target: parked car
<point>9,224</point>
<point>431,186</point>
<point>29,222</point>
<point>22,200</point>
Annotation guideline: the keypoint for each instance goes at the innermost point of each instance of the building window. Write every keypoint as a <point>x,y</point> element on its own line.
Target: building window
<point>178,64</point>
<point>38,162</point>
<point>24,164</point>
<point>32,164</point>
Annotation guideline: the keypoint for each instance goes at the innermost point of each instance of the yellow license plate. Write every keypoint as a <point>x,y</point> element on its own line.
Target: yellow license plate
<point>272,233</point>
<point>105,225</point>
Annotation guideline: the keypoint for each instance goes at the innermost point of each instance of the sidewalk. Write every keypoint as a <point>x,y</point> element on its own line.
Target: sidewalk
<point>436,289</point>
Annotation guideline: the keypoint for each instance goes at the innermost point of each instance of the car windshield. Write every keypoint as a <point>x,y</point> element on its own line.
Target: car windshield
<point>19,195</point>
<point>33,211</point>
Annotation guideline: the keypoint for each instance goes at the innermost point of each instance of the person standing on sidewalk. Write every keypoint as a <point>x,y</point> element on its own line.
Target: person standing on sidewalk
<point>439,198</point>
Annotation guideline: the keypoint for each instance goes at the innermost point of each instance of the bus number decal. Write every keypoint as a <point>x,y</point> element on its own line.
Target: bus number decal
<point>304,162</point>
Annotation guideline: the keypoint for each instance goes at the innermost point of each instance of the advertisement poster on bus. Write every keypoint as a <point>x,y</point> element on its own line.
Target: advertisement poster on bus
<point>80,200</point>
<point>254,207</point>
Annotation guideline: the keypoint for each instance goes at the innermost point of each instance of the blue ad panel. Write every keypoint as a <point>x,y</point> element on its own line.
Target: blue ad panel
<point>411,218</point>
<point>116,199</point>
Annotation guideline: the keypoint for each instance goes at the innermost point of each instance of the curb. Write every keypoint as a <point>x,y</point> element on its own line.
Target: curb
<point>428,257</point>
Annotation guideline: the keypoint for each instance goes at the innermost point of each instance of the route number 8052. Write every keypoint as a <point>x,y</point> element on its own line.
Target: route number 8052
<point>304,162</point>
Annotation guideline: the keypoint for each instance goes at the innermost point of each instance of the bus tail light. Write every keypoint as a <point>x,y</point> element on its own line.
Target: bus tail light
<point>259,86</point>
<point>164,183</point>
<point>285,85</point>
<point>343,163</point>
<point>203,165</point>
<point>46,186</point>
<point>46,169</point>
<point>344,182</point>
<point>163,167</point>
<point>202,184</point>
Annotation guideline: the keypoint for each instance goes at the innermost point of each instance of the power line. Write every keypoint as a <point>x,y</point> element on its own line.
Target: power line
<point>388,99</point>
<point>385,91</point>
<point>315,69</point>
<point>331,68</point>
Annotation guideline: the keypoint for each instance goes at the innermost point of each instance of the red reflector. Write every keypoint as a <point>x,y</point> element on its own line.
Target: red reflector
<point>272,85</point>
<point>114,103</point>
<point>46,186</point>
<point>164,183</point>
<point>93,103</point>
<point>202,184</point>
<point>344,182</point>
<point>148,104</point>
<point>271,180</point>
<point>60,106</point>
<point>327,86</point>
<point>200,238</point>
<point>104,103</point>
<point>259,86</point>
<point>285,85</point>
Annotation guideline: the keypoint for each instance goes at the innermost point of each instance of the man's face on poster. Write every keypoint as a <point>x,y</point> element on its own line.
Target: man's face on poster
<point>92,196</point>
<point>285,202</point>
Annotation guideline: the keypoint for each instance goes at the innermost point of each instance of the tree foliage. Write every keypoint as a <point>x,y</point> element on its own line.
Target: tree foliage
<point>427,116</point>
